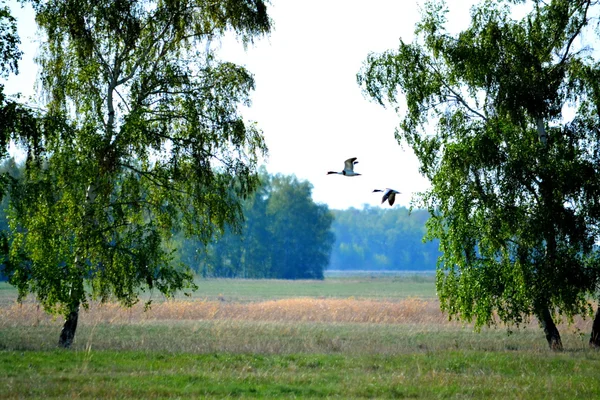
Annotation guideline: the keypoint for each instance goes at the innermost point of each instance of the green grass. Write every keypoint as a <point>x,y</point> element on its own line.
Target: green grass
<point>376,287</point>
<point>8,293</point>
<point>372,286</point>
<point>447,374</point>
<point>263,337</point>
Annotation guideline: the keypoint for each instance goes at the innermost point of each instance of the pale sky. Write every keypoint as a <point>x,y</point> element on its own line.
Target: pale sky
<point>307,102</point>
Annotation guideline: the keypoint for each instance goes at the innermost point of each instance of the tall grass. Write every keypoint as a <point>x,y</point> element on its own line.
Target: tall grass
<point>410,310</point>
<point>272,326</point>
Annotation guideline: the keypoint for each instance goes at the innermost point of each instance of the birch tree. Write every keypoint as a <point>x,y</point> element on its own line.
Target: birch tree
<point>142,138</point>
<point>504,119</point>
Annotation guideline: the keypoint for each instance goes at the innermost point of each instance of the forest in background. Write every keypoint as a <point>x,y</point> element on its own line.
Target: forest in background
<point>288,236</point>
<point>285,235</point>
<point>374,238</point>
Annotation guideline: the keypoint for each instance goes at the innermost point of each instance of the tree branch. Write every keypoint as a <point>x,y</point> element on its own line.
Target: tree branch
<point>574,36</point>
<point>457,97</point>
<point>153,178</point>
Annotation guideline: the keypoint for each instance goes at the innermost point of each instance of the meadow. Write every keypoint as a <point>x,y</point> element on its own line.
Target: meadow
<point>359,336</point>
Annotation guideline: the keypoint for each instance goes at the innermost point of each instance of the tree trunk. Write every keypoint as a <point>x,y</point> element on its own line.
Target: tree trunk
<point>70,326</point>
<point>595,336</point>
<point>550,329</point>
<point>543,136</point>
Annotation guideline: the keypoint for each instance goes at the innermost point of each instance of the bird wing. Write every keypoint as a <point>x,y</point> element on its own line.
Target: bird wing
<point>386,195</point>
<point>391,197</point>
<point>349,164</point>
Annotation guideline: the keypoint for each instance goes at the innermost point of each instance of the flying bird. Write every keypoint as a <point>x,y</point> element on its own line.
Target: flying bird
<point>388,194</point>
<point>348,168</point>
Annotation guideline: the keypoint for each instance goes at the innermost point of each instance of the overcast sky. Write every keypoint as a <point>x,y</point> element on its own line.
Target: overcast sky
<point>307,101</point>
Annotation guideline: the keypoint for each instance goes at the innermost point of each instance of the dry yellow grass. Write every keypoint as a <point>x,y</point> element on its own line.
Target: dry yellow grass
<point>287,310</point>
<point>412,311</point>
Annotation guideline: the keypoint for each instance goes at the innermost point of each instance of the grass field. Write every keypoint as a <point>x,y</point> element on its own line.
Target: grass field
<point>372,285</point>
<point>337,285</point>
<point>364,336</point>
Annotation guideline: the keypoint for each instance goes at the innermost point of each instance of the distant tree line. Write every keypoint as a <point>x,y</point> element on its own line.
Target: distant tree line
<point>285,235</point>
<point>382,239</point>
